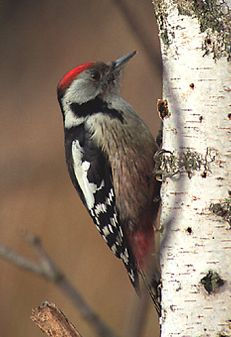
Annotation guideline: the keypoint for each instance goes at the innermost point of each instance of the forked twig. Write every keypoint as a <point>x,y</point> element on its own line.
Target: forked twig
<point>47,269</point>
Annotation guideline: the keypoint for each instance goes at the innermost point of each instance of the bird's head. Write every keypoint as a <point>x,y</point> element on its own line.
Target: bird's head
<point>90,80</point>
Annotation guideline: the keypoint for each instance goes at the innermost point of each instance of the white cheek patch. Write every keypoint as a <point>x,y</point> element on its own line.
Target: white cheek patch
<point>80,92</point>
<point>81,169</point>
<point>70,120</point>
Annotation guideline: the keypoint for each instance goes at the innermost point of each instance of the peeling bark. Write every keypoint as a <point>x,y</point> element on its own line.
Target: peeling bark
<point>196,241</point>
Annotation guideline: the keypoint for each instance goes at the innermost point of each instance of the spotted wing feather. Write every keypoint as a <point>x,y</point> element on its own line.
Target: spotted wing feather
<point>91,175</point>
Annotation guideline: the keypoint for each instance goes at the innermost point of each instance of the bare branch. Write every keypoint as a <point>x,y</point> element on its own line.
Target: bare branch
<point>47,269</point>
<point>19,260</point>
<point>53,322</point>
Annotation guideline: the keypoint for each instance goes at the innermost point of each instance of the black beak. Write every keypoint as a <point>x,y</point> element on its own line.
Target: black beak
<point>122,60</point>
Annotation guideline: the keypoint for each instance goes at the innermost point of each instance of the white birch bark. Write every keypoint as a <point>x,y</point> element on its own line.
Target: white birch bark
<point>197,86</point>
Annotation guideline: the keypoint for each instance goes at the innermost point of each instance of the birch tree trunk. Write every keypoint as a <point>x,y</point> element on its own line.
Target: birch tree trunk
<point>195,41</point>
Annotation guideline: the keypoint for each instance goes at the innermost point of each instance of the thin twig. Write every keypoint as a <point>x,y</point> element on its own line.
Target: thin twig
<point>47,269</point>
<point>53,322</point>
<point>20,261</point>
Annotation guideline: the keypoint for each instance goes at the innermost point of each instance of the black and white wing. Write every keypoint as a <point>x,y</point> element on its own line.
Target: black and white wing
<point>91,175</point>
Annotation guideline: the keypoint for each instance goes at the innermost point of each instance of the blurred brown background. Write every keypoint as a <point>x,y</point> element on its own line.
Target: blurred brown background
<point>40,41</point>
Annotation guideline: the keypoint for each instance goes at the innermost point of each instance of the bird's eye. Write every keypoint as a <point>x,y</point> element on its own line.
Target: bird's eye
<point>95,75</point>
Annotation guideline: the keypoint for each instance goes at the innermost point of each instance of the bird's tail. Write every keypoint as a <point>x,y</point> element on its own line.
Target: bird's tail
<point>152,283</point>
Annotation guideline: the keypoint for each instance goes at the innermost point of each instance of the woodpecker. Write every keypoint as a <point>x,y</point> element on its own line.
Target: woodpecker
<point>109,154</point>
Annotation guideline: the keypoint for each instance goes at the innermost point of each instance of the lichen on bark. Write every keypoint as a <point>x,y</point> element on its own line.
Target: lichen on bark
<point>214,18</point>
<point>161,14</point>
<point>222,209</point>
<point>212,282</point>
<point>168,164</point>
